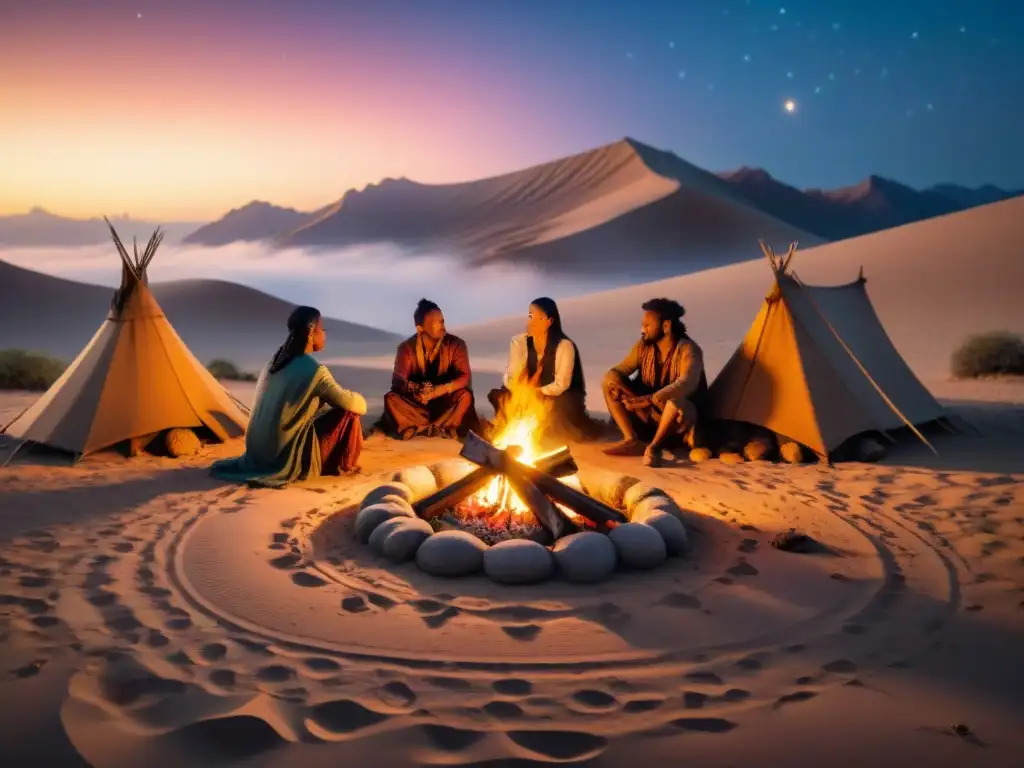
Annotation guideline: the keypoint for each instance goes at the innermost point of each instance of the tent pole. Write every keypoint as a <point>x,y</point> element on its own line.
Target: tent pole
<point>867,375</point>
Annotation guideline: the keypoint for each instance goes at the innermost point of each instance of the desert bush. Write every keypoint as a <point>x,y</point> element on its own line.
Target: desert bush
<point>20,369</point>
<point>989,354</point>
<point>228,371</point>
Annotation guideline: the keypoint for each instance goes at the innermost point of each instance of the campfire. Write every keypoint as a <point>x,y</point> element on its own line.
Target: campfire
<point>518,491</point>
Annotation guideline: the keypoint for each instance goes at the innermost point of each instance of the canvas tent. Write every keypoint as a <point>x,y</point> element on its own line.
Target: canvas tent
<point>818,367</point>
<point>134,379</point>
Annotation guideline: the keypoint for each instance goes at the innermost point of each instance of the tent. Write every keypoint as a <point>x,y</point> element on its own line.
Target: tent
<point>818,367</point>
<point>134,379</point>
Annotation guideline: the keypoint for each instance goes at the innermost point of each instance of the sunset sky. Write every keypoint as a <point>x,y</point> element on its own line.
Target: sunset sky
<point>183,109</point>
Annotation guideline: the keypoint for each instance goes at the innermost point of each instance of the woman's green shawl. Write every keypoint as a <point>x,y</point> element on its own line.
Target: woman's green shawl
<point>281,444</point>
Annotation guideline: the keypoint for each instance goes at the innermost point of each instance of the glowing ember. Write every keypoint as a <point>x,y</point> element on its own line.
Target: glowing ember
<point>527,414</point>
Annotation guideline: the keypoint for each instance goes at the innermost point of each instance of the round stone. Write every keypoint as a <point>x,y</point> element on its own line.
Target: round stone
<point>758,449</point>
<point>650,504</point>
<point>792,452</point>
<point>731,457</point>
<point>585,557</point>
<point>381,532</point>
<point>404,538</point>
<point>637,493</point>
<point>392,498</point>
<point>447,472</point>
<point>370,517</point>
<point>181,442</point>
<point>419,479</point>
<point>638,546</point>
<point>451,553</point>
<point>518,561</point>
<point>698,455</point>
<point>673,532</point>
<point>387,489</point>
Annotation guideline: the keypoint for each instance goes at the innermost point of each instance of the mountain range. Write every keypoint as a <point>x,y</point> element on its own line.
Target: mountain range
<point>597,207</point>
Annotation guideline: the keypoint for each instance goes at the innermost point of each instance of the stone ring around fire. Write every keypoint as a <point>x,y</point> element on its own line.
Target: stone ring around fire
<point>484,532</point>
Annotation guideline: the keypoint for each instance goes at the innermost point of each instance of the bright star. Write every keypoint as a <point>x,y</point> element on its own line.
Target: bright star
<point>789,75</point>
<point>138,15</point>
<point>962,30</point>
<point>746,57</point>
<point>682,74</point>
<point>671,45</point>
<point>817,89</point>
<point>789,105</point>
<point>782,11</point>
<point>836,25</point>
<point>913,35</point>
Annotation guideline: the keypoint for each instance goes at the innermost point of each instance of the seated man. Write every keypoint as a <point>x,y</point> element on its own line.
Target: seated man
<point>662,405</point>
<point>431,386</point>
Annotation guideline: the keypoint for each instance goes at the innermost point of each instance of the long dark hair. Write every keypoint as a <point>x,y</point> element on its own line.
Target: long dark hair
<point>301,322</point>
<point>555,336</point>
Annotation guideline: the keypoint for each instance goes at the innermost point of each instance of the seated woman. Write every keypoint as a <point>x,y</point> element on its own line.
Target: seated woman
<point>302,423</point>
<point>547,361</point>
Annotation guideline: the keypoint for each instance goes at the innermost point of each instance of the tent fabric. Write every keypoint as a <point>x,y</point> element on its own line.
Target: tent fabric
<point>818,367</point>
<point>134,378</point>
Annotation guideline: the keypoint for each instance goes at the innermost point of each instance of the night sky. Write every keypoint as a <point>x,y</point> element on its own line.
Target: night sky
<point>182,109</point>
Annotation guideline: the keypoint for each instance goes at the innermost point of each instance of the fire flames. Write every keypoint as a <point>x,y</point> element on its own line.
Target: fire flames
<point>526,415</point>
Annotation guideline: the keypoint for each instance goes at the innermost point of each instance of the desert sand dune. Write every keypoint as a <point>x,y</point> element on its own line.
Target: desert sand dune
<point>624,208</point>
<point>924,279</point>
<point>215,318</point>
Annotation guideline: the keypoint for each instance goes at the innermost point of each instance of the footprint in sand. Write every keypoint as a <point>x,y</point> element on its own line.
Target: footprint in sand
<point>512,687</point>
<point>213,651</point>
<point>440,619</point>
<point>595,701</point>
<point>448,739</point>
<point>343,716</point>
<point>321,664</point>
<point>448,683</point>
<point>275,673</point>
<point>840,666</point>
<point>156,639</point>
<point>397,694</point>
<point>560,745</point>
<point>34,582</point>
<point>742,568</point>
<point>523,632</point>
<point>793,698</point>
<point>694,699</point>
<point>704,724</point>
<point>225,678</point>
<point>723,580</point>
<point>428,606</point>
<point>642,705</point>
<point>734,695</point>
<point>750,664</point>
<point>381,601</point>
<point>354,604</point>
<point>286,561</point>
<point>306,579</point>
<point>747,545</point>
<point>503,710</point>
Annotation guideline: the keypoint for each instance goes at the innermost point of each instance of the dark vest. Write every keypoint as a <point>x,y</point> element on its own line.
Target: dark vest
<point>547,371</point>
<point>700,397</point>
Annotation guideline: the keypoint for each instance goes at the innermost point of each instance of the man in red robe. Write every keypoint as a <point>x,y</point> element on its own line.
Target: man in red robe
<point>431,386</point>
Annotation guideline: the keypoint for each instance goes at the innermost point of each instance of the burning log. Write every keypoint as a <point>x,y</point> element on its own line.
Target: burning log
<point>481,452</point>
<point>558,464</point>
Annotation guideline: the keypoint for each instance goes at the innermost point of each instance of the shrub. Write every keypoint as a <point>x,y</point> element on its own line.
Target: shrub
<point>28,370</point>
<point>228,371</point>
<point>989,354</point>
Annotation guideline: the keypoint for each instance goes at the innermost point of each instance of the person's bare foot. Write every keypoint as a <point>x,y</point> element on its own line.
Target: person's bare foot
<point>653,457</point>
<point>631,447</point>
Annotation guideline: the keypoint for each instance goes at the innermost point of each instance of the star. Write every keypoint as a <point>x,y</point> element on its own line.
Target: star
<point>962,30</point>
<point>817,89</point>
<point>138,15</point>
<point>711,86</point>
<point>782,11</point>
<point>835,26</point>
<point>629,55</point>
<point>746,57</point>
<point>789,75</point>
<point>774,27</point>
<point>831,76</point>
<point>856,71</point>
<point>672,45</point>
<point>682,74</point>
<point>913,35</point>
<point>930,108</point>
<point>885,72</point>
<point>789,105</point>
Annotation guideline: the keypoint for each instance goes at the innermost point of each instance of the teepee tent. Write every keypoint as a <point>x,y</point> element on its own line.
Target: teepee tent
<point>134,379</point>
<point>818,367</point>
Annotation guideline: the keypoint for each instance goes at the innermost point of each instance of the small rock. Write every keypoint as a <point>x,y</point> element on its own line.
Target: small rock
<point>419,479</point>
<point>638,493</point>
<point>672,531</point>
<point>729,457</point>
<point>792,452</point>
<point>382,531</point>
<point>370,517</point>
<point>638,545</point>
<point>609,487</point>
<point>378,493</point>
<point>698,455</point>
<point>585,557</point>
<point>451,553</point>
<point>518,561</point>
<point>758,448</point>
<point>405,538</point>
<point>652,504</point>
<point>181,442</point>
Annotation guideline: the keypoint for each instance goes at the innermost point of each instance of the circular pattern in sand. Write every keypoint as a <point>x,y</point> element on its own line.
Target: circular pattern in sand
<point>223,622</point>
<point>655,530</point>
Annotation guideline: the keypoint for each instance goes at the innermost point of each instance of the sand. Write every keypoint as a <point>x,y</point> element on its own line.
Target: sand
<point>151,615</point>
